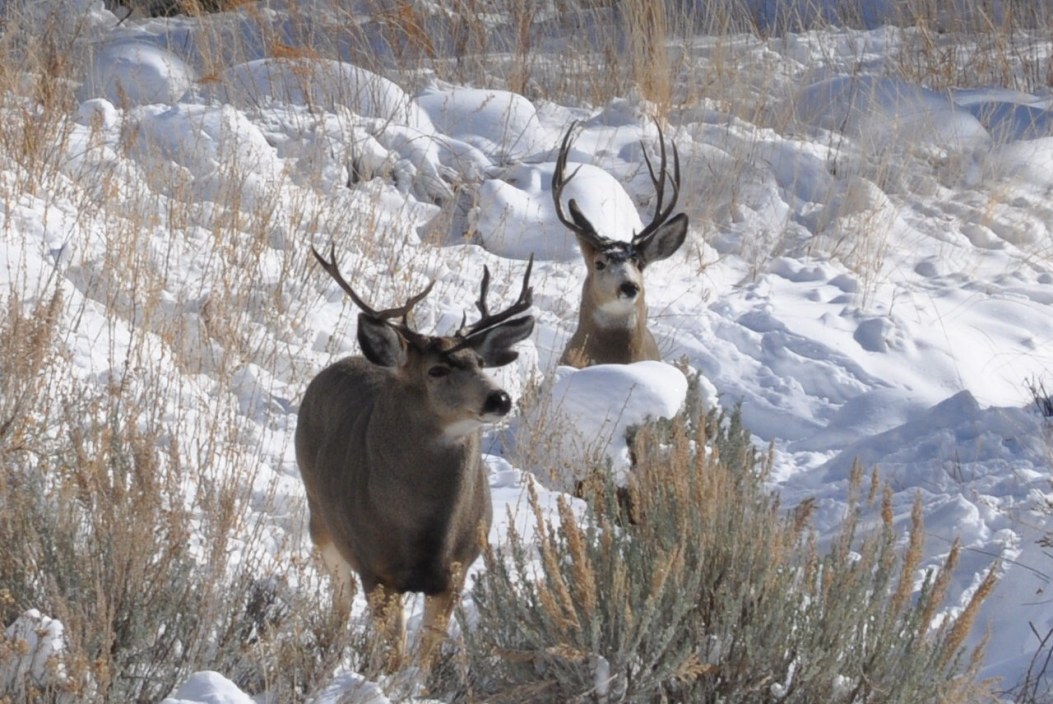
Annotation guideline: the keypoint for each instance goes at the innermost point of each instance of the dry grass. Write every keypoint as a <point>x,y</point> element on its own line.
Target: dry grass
<point>139,505</point>
<point>144,518</point>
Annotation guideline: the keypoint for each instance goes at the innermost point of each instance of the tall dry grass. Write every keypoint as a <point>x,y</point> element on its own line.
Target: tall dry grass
<point>140,505</point>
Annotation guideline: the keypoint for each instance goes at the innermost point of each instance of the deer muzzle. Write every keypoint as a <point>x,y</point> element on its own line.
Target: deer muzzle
<point>629,289</point>
<point>498,403</point>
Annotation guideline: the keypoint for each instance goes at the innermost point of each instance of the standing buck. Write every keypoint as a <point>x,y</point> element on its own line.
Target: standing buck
<point>612,321</point>
<point>388,447</point>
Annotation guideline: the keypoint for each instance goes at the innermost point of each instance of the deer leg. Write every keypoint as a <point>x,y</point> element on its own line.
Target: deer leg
<point>435,626</point>
<point>339,570</point>
<point>389,623</point>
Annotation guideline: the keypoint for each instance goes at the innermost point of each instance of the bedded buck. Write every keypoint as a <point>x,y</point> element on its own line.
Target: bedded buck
<point>388,447</point>
<point>612,320</point>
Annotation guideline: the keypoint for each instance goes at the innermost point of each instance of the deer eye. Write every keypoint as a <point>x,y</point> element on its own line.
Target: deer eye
<point>600,265</point>
<point>439,371</point>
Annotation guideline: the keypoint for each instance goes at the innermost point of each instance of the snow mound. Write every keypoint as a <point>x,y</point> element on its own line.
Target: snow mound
<point>208,687</point>
<point>130,73</point>
<point>585,414</point>
<point>1012,121</point>
<point>953,436</point>
<point>1008,115</point>
<point>350,687</point>
<point>1029,161</point>
<point>886,111</point>
<point>515,216</point>
<point>36,645</point>
<point>325,85</point>
<point>501,124</point>
<point>202,146</point>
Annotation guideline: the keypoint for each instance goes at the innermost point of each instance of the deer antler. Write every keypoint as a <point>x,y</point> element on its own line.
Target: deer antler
<point>402,311</point>
<point>661,214</point>
<point>488,320</point>
<point>577,222</point>
<point>558,180</point>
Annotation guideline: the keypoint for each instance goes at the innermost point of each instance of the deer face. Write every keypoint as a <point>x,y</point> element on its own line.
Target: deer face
<point>614,280</point>
<point>463,394</point>
<point>454,385</point>
<point>614,283</point>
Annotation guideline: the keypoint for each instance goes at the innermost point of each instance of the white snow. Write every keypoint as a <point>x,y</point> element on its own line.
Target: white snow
<point>877,109</point>
<point>501,124</point>
<point>132,73</point>
<point>588,411</point>
<point>322,85</point>
<point>40,643</point>
<point>516,215</point>
<point>870,279</point>
<point>208,688</point>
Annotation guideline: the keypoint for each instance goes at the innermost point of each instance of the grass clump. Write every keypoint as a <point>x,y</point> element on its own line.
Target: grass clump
<point>138,554</point>
<point>1040,396</point>
<point>717,594</point>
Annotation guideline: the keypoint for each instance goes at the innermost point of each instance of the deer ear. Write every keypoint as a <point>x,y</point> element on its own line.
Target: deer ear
<point>664,241</point>
<point>588,249</point>
<point>493,344</point>
<point>380,343</point>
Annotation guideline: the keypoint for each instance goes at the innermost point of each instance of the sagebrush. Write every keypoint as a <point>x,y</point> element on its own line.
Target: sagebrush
<point>716,594</point>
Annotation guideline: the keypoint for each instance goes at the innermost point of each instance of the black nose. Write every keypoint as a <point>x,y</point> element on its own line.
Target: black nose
<point>497,403</point>
<point>629,289</point>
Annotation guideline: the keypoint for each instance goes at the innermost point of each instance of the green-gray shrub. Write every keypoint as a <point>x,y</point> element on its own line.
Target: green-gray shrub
<point>715,595</point>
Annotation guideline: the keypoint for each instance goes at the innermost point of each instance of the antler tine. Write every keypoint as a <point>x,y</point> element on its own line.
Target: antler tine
<point>484,288</point>
<point>558,181</point>
<point>525,300</point>
<point>333,270</point>
<point>402,311</point>
<point>661,214</point>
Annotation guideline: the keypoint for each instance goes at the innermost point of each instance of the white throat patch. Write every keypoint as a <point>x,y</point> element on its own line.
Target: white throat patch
<point>457,430</point>
<point>619,313</point>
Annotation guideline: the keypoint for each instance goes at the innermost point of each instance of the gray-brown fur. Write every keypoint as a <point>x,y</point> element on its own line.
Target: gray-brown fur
<point>388,448</point>
<point>432,489</point>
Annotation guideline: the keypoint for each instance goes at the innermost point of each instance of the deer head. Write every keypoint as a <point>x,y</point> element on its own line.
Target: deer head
<point>445,369</point>
<point>612,321</point>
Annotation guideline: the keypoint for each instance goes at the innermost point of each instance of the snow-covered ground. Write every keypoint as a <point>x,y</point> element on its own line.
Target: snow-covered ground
<point>868,272</point>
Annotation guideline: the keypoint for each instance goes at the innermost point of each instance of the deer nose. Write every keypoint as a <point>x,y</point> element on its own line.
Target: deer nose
<point>498,403</point>
<point>629,289</point>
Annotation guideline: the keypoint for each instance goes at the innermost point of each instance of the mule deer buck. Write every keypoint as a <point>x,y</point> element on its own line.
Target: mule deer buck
<point>612,320</point>
<point>388,448</point>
